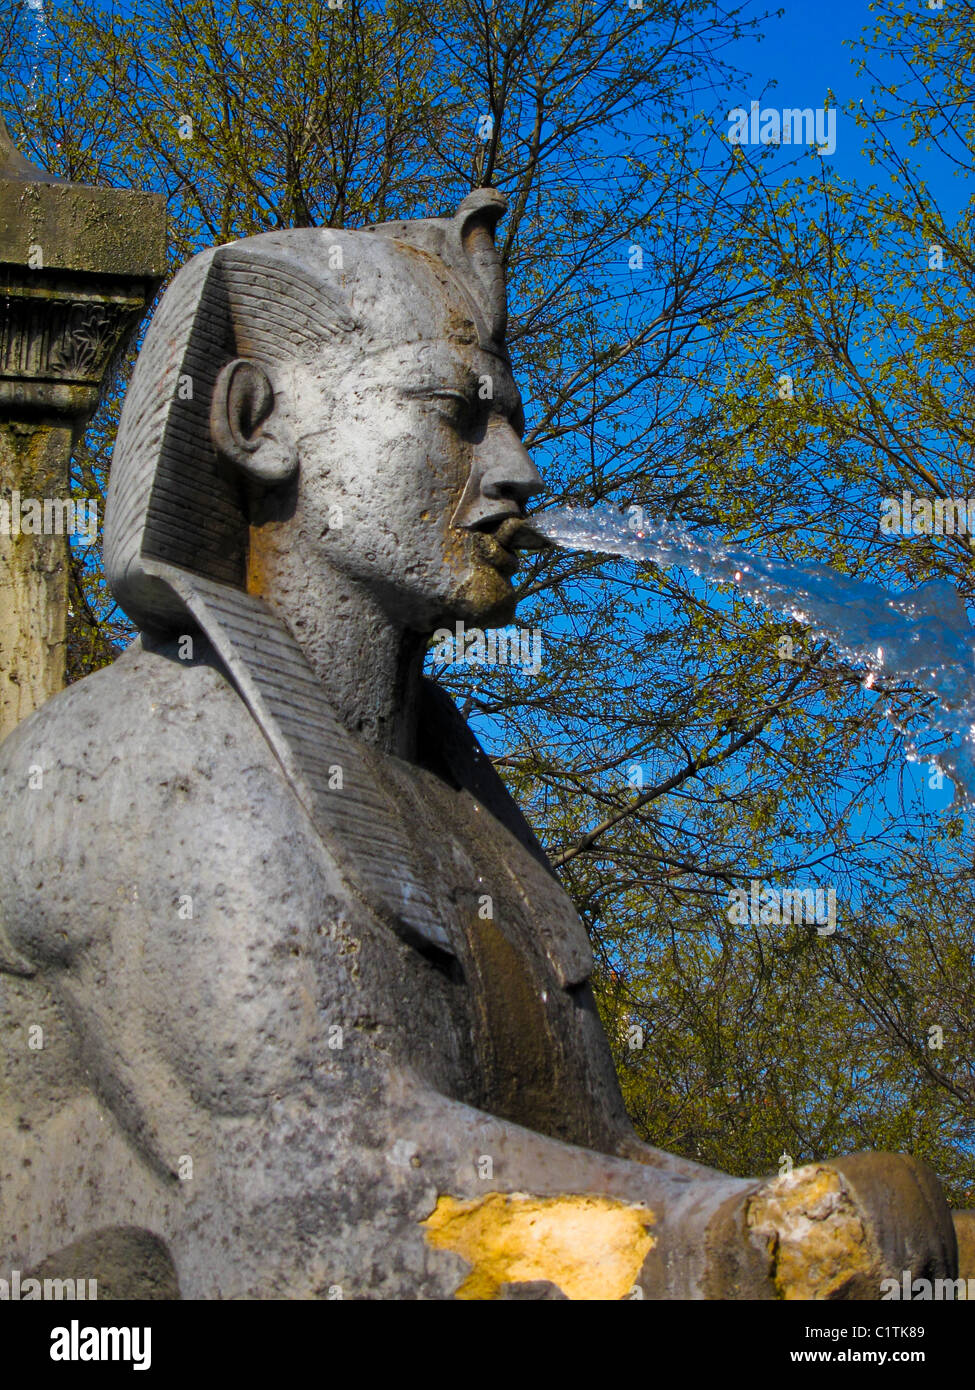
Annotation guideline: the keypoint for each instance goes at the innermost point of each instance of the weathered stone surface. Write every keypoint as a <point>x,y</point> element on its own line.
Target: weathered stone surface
<point>98,231</point>
<point>584,1247</point>
<point>131,1263</point>
<point>34,455</point>
<point>965,1234</point>
<point>316,1012</point>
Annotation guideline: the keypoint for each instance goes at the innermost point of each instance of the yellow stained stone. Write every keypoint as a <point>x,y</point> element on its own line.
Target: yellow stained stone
<point>590,1247</point>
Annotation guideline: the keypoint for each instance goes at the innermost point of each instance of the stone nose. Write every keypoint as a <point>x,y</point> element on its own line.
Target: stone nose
<point>502,480</point>
<point>506,468</point>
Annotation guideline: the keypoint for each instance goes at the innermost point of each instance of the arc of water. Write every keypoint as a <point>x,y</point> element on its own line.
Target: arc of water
<point>923,637</point>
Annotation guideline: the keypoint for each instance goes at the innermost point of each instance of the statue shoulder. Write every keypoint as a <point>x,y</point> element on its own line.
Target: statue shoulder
<point>150,772</point>
<point>126,724</point>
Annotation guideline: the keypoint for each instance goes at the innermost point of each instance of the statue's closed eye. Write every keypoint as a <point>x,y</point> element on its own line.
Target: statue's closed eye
<point>456,406</point>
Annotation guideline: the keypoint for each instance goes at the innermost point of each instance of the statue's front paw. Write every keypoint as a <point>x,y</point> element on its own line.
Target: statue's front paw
<point>833,1230</point>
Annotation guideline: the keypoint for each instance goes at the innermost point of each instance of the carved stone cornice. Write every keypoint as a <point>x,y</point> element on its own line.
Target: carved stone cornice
<point>79,266</point>
<point>58,335</point>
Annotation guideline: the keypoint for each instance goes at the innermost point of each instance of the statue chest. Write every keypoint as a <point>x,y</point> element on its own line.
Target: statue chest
<point>486,885</point>
<point>519,959</point>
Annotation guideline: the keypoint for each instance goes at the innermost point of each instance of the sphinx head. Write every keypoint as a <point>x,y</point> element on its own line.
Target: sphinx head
<point>346,395</point>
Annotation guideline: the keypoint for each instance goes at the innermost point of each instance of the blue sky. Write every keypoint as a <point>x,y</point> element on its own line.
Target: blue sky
<point>803,52</point>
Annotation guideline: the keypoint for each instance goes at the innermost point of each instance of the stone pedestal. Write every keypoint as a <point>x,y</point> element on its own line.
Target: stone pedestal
<point>78,268</point>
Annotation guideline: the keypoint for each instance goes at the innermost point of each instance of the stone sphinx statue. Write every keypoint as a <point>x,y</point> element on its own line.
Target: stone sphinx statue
<point>292,1004</point>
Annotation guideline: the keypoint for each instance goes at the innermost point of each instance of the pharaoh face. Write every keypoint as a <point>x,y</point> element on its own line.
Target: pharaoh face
<point>412,479</point>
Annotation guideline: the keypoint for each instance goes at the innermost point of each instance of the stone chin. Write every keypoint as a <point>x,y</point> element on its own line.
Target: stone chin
<point>483,598</point>
<point>476,611</point>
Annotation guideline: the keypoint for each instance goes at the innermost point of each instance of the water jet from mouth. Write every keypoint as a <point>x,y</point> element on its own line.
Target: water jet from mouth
<point>922,636</point>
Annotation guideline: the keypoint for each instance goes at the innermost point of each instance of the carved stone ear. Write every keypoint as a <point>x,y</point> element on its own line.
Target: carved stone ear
<point>242,405</point>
